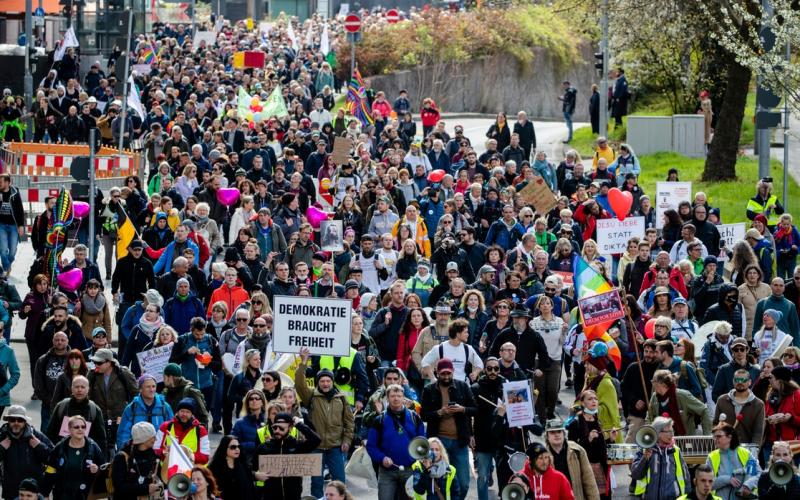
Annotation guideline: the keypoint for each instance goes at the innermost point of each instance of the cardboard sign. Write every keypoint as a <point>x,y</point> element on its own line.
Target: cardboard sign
<point>601,308</point>
<point>209,37</point>
<point>668,196</point>
<point>566,277</point>
<point>331,235</point>
<point>291,465</point>
<point>613,234</point>
<point>155,360</point>
<point>517,396</point>
<point>538,194</point>
<point>322,325</point>
<point>731,233</point>
<point>341,150</point>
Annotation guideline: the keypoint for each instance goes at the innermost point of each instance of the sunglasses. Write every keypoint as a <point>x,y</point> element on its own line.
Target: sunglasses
<point>268,379</point>
<point>502,307</point>
<point>277,427</point>
<point>741,380</point>
<point>243,320</point>
<point>738,349</point>
<point>258,302</point>
<point>787,355</point>
<point>259,325</point>
<point>13,420</point>
<point>78,427</point>
<point>233,447</point>
<point>492,368</point>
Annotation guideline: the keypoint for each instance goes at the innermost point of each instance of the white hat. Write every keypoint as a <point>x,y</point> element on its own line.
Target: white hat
<point>142,431</point>
<point>17,411</point>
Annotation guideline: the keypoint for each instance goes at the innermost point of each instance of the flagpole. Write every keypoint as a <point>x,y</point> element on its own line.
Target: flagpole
<point>639,361</point>
<point>123,114</point>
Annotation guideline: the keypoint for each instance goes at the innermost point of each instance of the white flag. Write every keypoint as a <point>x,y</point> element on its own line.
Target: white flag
<point>68,40</point>
<point>292,36</point>
<point>309,36</point>
<point>133,98</point>
<point>324,41</point>
<point>179,463</point>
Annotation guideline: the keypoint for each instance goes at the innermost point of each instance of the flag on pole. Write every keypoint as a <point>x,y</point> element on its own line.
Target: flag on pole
<point>68,40</point>
<point>125,232</point>
<point>324,41</point>
<point>275,105</point>
<point>134,102</point>
<point>309,36</point>
<point>588,282</point>
<point>149,54</point>
<point>178,463</point>
<point>356,100</point>
<point>291,35</point>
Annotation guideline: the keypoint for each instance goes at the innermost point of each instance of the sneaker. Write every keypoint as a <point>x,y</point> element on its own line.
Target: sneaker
<point>217,429</point>
<point>568,383</point>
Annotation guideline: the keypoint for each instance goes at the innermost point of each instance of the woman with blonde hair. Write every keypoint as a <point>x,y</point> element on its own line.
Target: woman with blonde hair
<point>259,305</point>
<point>590,251</point>
<point>252,417</point>
<point>434,473</point>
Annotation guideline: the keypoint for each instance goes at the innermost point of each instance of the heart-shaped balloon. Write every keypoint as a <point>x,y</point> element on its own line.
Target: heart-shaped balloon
<point>228,196</point>
<point>69,281</point>
<point>315,216</point>
<point>80,209</point>
<point>621,202</point>
<point>436,176</point>
<point>650,328</point>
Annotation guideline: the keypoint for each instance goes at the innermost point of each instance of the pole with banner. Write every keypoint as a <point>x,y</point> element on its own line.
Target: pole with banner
<point>92,145</point>
<point>123,113</point>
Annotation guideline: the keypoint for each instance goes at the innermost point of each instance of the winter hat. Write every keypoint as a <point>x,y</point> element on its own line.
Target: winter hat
<point>186,404</point>
<point>351,284</point>
<point>774,314</point>
<point>366,299</point>
<point>710,260</point>
<point>424,263</point>
<point>761,218</point>
<point>173,370</point>
<point>182,281</point>
<point>535,450</point>
<point>30,485</point>
<point>782,373</point>
<point>142,431</point>
<point>600,363</point>
<point>144,378</point>
<point>323,373</point>
<point>231,255</point>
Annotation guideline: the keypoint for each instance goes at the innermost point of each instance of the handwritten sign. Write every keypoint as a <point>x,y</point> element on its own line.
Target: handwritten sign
<point>209,37</point>
<point>538,194</point>
<point>341,150</point>
<point>731,233</point>
<point>519,403</point>
<point>321,325</point>
<point>291,465</point>
<point>613,234</point>
<point>155,360</point>
<point>601,308</point>
<point>668,196</point>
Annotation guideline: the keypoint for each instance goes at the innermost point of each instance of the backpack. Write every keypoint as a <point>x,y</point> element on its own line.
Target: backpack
<point>415,418</point>
<point>467,363</point>
<point>701,375</point>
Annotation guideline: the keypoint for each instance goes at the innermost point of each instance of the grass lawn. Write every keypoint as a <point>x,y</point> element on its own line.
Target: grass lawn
<point>731,197</point>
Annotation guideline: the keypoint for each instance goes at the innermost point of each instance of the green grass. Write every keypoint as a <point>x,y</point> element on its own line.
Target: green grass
<point>338,104</point>
<point>730,197</point>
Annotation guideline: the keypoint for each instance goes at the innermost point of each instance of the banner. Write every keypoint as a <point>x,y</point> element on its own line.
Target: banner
<point>613,234</point>
<point>309,464</point>
<point>331,235</point>
<point>731,233</point>
<point>668,196</point>
<point>275,105</point>
<point>321,325</point>
<point>155,360</point>
<point>517,397</point>
<point>601,308</point>
<point>133,99</point>
<point>209,37</point>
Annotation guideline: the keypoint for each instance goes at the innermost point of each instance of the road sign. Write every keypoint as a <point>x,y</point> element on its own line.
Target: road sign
<point>392,16</point>
<point>352,23</point>
<point>39,12</point>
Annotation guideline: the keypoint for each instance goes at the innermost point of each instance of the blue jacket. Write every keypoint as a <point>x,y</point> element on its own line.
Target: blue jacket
<point>390,437</point>
<point>246,429</point>
<point>763,251</point>
<point>131,319</point>
<point>9,372</point>
<point>499,234</point>
<point>137,412</point>
<point>431,212</point>
<point>164,263</point>
<point>202,379</point>
<point>442,163</point>
<point>178,313</point>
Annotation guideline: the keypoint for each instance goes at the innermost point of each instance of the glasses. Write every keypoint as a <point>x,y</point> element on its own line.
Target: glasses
<point>255,398</point>
<point>77,427</point>
<point>738,380</point>
<point>258,302</point>
<point>492,368</point>
<point>259,325</point>
<point>502,306</point>
<point>267,380</point>
<point>233,447</point>
<point>787,355</point>
<point>242,320</point>
<point>447,222</point>
<point>528,216</point>
<point>551,290</point>
<point>739,349</point>
<point>281,428</point>
<point>720,436</point>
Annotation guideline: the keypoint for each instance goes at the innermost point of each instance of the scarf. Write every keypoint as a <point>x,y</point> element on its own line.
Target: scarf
<point>784,233</point>
<point>259,341</point>
<point>95,306</point>
<point>438,469</point>
<point>670,400</point>
<point>149,327</point>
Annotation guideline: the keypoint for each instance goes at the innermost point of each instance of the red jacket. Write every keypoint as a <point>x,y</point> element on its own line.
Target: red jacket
<point>202,244</point>
<point>675,280</point>
<point>429,116</point>
<point>203,450</point>
<point>552,485</point>
<point>383,107</point>
<point>232,296</point>
<point>588,221</point>
<point>785,431</point>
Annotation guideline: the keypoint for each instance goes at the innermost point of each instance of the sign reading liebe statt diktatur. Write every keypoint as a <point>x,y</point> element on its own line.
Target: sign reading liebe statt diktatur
<point>321,325</point>
<point>613,234</point>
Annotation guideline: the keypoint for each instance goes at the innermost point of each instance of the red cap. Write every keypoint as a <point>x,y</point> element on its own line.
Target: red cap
<point>444,364</point>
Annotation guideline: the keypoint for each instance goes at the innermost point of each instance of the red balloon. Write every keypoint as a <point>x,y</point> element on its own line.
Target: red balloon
<point>621,202</point>
<point>436,176</point>
<point>650,328</point>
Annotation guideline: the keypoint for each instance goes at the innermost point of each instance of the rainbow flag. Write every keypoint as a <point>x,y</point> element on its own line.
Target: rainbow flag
<point>588,282</point>
<point>356,100</point>
<point>148,54</point>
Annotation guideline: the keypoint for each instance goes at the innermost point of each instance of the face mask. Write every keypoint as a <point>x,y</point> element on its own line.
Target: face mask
<point>472,309</point>
<point>587,411</point>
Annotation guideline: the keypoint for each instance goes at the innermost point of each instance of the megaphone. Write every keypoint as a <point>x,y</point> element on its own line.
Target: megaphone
<point>418,448</point>
<point>513,492</point>
<point>646,437</point>
<point>343,376</point>
<point>179,485</point>
<point>780,473</point>
<point>410,487</point>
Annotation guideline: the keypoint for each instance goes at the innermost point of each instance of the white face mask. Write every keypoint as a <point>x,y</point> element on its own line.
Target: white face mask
<point>590,412</point>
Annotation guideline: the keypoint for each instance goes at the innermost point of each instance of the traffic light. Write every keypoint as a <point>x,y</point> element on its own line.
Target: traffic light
<point>79,168</point>
<point>598,65</point>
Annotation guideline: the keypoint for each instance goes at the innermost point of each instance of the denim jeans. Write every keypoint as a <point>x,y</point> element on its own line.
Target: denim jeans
<point>391,481</point>
<point>334,459</point>
<point>568,121</point>
<point>485,467</point>
<point>9,237</point>
<point>459,458</point>
<point>45,413</point>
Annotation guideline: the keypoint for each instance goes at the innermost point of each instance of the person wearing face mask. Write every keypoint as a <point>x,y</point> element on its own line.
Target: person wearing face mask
<point>728,309</point>
<point>282,441</point>
<point>585,430</point>
<point>78,404</point>
<point>723,382</point>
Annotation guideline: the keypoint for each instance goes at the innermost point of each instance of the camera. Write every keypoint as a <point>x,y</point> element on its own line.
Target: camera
<point>766,179</point>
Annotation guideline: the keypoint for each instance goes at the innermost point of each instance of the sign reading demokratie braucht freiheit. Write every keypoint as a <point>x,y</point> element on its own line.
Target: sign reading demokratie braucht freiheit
<point>321,325</point>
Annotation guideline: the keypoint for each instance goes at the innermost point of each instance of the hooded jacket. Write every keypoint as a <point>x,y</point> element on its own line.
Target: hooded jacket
<point>137,411</point>
<point>114,397</point>
<point>9,372</point>
<point>750,426</point>
<point>286,488</point>
<point>232,296</point>
<point>720,311</point>
<point>74,331</point>
<point>20,460</point>
<point>329,412</point>
<point>552,484</point>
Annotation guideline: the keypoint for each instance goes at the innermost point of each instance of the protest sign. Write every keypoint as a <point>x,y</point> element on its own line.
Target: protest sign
<point>331,235</point>
<point>209,37</point>
<point>321,325</point>
<point>566,277</point>
<point>601,308</point>
<point>669,195</point>
<point>140,69</point>
<point>731,233</point>
<point>341,150</point>
<point>291,465</point>
<point>64,430</point>
<point>519,406</point>
<point>538,194</point>
<point>613,234</point>
<point>155,360</point>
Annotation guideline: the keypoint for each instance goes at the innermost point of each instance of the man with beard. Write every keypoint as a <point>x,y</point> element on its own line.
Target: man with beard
<point>61,321</point>
<point>723,382</point>
<point>433,334</point>
<point>447,406</point>
<point>547,482</point>
<point>634,395</point>
<point>487,389</point>
<point>472,166</point>
<point>111,386</point>
<point>705,288</point>
<point>728,309</point>
<point>133,465</point>
<point>175,250</point>
<point>484,284</point>
<point>187,431</point>
<point>189,349</point>
<point>570,459</point>
<point>448,252</point>
<point>280,283</point>
<point>528,342</point>
<point>23,451</point>
<point>509,369</point>
<point>78,404</point>
<point>742,409</point>
<point>282,442</point>
<point>505,232</point>
<point>177,388</point>
<point>577,178</point>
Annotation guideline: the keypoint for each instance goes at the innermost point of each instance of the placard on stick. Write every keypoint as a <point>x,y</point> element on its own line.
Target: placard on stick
<point>341,150</point>
<point>291,465</point>
<point>322,325</point>
<point>601,308</point>
<point>538,194</point>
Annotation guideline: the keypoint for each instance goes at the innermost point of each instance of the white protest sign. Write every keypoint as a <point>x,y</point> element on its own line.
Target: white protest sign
<point>731,233</point>
<point>519,404</point>
<point>155,360</point>
<point>321,325</point>
<point>668,196</point>
<point>204,36</point>
<point>613,234</point>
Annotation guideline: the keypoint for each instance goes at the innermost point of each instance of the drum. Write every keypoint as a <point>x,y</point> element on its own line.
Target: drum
<point>621,453</point>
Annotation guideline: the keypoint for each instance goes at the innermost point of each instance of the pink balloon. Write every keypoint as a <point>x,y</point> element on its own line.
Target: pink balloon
<point>80,209</point>
<point>228,196</point>
<point>315,216</point>
<point>70,280</point>
<point>621,202</point>
<point>436,176</point>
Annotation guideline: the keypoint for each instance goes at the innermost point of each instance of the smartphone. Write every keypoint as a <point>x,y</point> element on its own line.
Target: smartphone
<point>451,404</point>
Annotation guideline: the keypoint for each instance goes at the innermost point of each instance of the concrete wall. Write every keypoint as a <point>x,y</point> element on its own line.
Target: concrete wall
<point>497,84</point>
